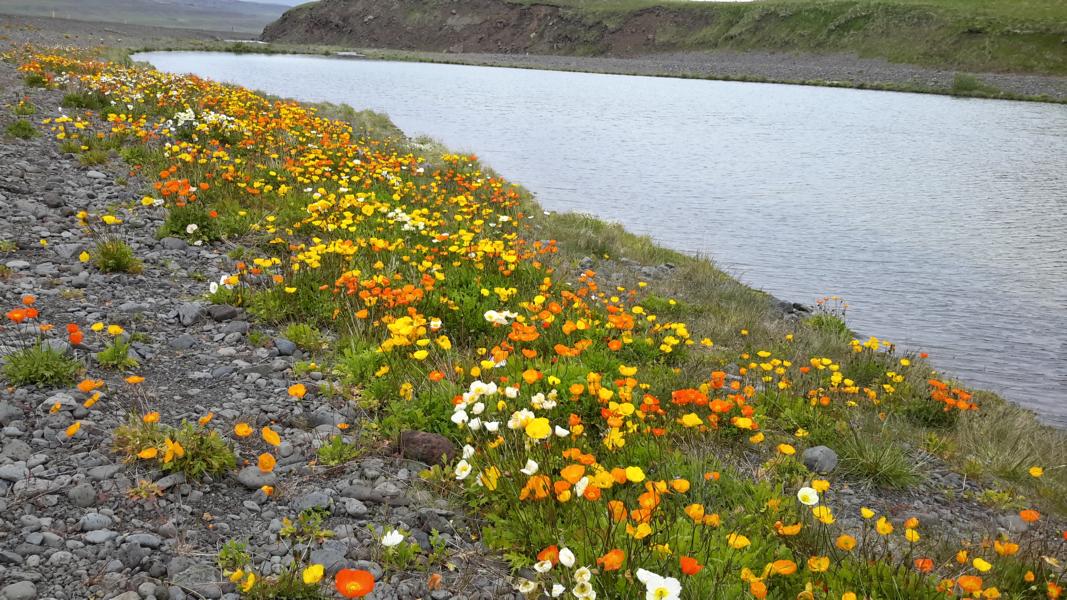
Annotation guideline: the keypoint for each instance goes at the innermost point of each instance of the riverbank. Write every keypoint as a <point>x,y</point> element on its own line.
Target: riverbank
<point>962,473</point>
<point>824,69</point>
<point>978,36</point>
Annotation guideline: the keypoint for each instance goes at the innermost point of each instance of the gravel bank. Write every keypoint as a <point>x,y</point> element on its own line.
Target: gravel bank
<point>812,69</point>
<point>72,523</point>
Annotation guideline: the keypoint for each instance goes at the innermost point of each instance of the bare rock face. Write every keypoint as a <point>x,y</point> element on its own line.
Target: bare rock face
<point>429,448</point>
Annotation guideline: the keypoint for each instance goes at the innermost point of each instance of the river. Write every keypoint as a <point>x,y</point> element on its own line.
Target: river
<point>942,221</point>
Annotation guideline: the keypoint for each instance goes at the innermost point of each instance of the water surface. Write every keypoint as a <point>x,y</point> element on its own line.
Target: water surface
<point>943,221</point>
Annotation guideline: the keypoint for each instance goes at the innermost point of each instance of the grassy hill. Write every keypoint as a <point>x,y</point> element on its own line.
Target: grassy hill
<point>1023,36</point>
<point>212,15</point>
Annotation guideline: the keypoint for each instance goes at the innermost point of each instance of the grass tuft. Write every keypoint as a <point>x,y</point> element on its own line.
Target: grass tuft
<point>21,129</point>
<point>113,255</point>
<point>40,365</point>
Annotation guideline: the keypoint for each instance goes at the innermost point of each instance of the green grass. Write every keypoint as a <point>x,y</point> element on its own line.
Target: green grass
<point>25,108</point>
<point>113,255</point>
<point>874,454</point>
<point>205,451</point>
<point>21,129</point>
<point>337,452</point>
<point>40,365</point>
<point>116,355</point>
<point>306,337</point>
<point>1016,9</point>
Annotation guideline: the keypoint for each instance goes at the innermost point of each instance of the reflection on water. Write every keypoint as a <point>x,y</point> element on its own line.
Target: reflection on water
<point>943,221</point>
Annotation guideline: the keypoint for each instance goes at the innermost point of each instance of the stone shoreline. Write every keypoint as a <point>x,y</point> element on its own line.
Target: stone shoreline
<point>833,70</point>
<point>70,527</point>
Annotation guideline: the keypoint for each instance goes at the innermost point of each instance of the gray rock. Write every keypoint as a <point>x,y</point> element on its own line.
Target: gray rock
<point>99,536</point>
<point>222,312</point>
<point>284,346</point>
<point>236,327</point>
<point>252,478</point>
<point>23,590</point>
<point>65,401</point>
<point>9,413</point>
<point>199,578</point>
<point>16,450</point>
<point>819,459</point>
<point>132,555</point>
<point>148,540</point>
<point>182,342</point>
<point>355,508</point>
<point>82,495</point>
<point>168,481</point>
<point>104,472</point>
<point>60,346</point>
<point>331,555</point>
<point>95,175</point>
<point>94,521</point>
<point>316,499</point>
<point>130,595</point>
<point>61,557</point>
<point>173,243</point>
<point>190,313</point>
<point>14,472</point>
<point>1013,523</point>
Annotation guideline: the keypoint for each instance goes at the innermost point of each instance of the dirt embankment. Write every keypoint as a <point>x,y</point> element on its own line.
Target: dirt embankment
<point>907,34</point>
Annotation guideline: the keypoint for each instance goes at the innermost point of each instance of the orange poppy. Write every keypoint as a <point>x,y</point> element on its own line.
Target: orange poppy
<point>266,462</point>
<point>353,583</point>
<point>689,565</point>
<point>551,554</point>
<point>612,561</point>
<point>969,583</point>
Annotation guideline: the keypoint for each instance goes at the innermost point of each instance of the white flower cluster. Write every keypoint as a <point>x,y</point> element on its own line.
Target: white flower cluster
<point>499,317</point>
<point>471,404</point>
<point>399,216</point>
<point>582,578</point>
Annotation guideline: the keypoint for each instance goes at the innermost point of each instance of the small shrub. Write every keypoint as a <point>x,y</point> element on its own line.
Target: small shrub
<point>25,108</point>
<point>36,80</point>
<point>337,452</point>
<point>93,157</point>
<point>237,563</point>
<point>965,82</point>
<point>86,100</point>
<point>877,458</point>
<point>144,490</point>
<point>116,355</point>
<point>40,365</point>
<point>829,324</point>
<point>21,129</point>
<point>190,448</point>
<point>306,337</point>
<point>929,413</point>
<point>113,255</point>
<point>258,339</point>
<point>179,219</point>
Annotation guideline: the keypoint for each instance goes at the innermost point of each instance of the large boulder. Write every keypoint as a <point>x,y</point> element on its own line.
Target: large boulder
<point>820,459</point>
<point>425,447</point>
